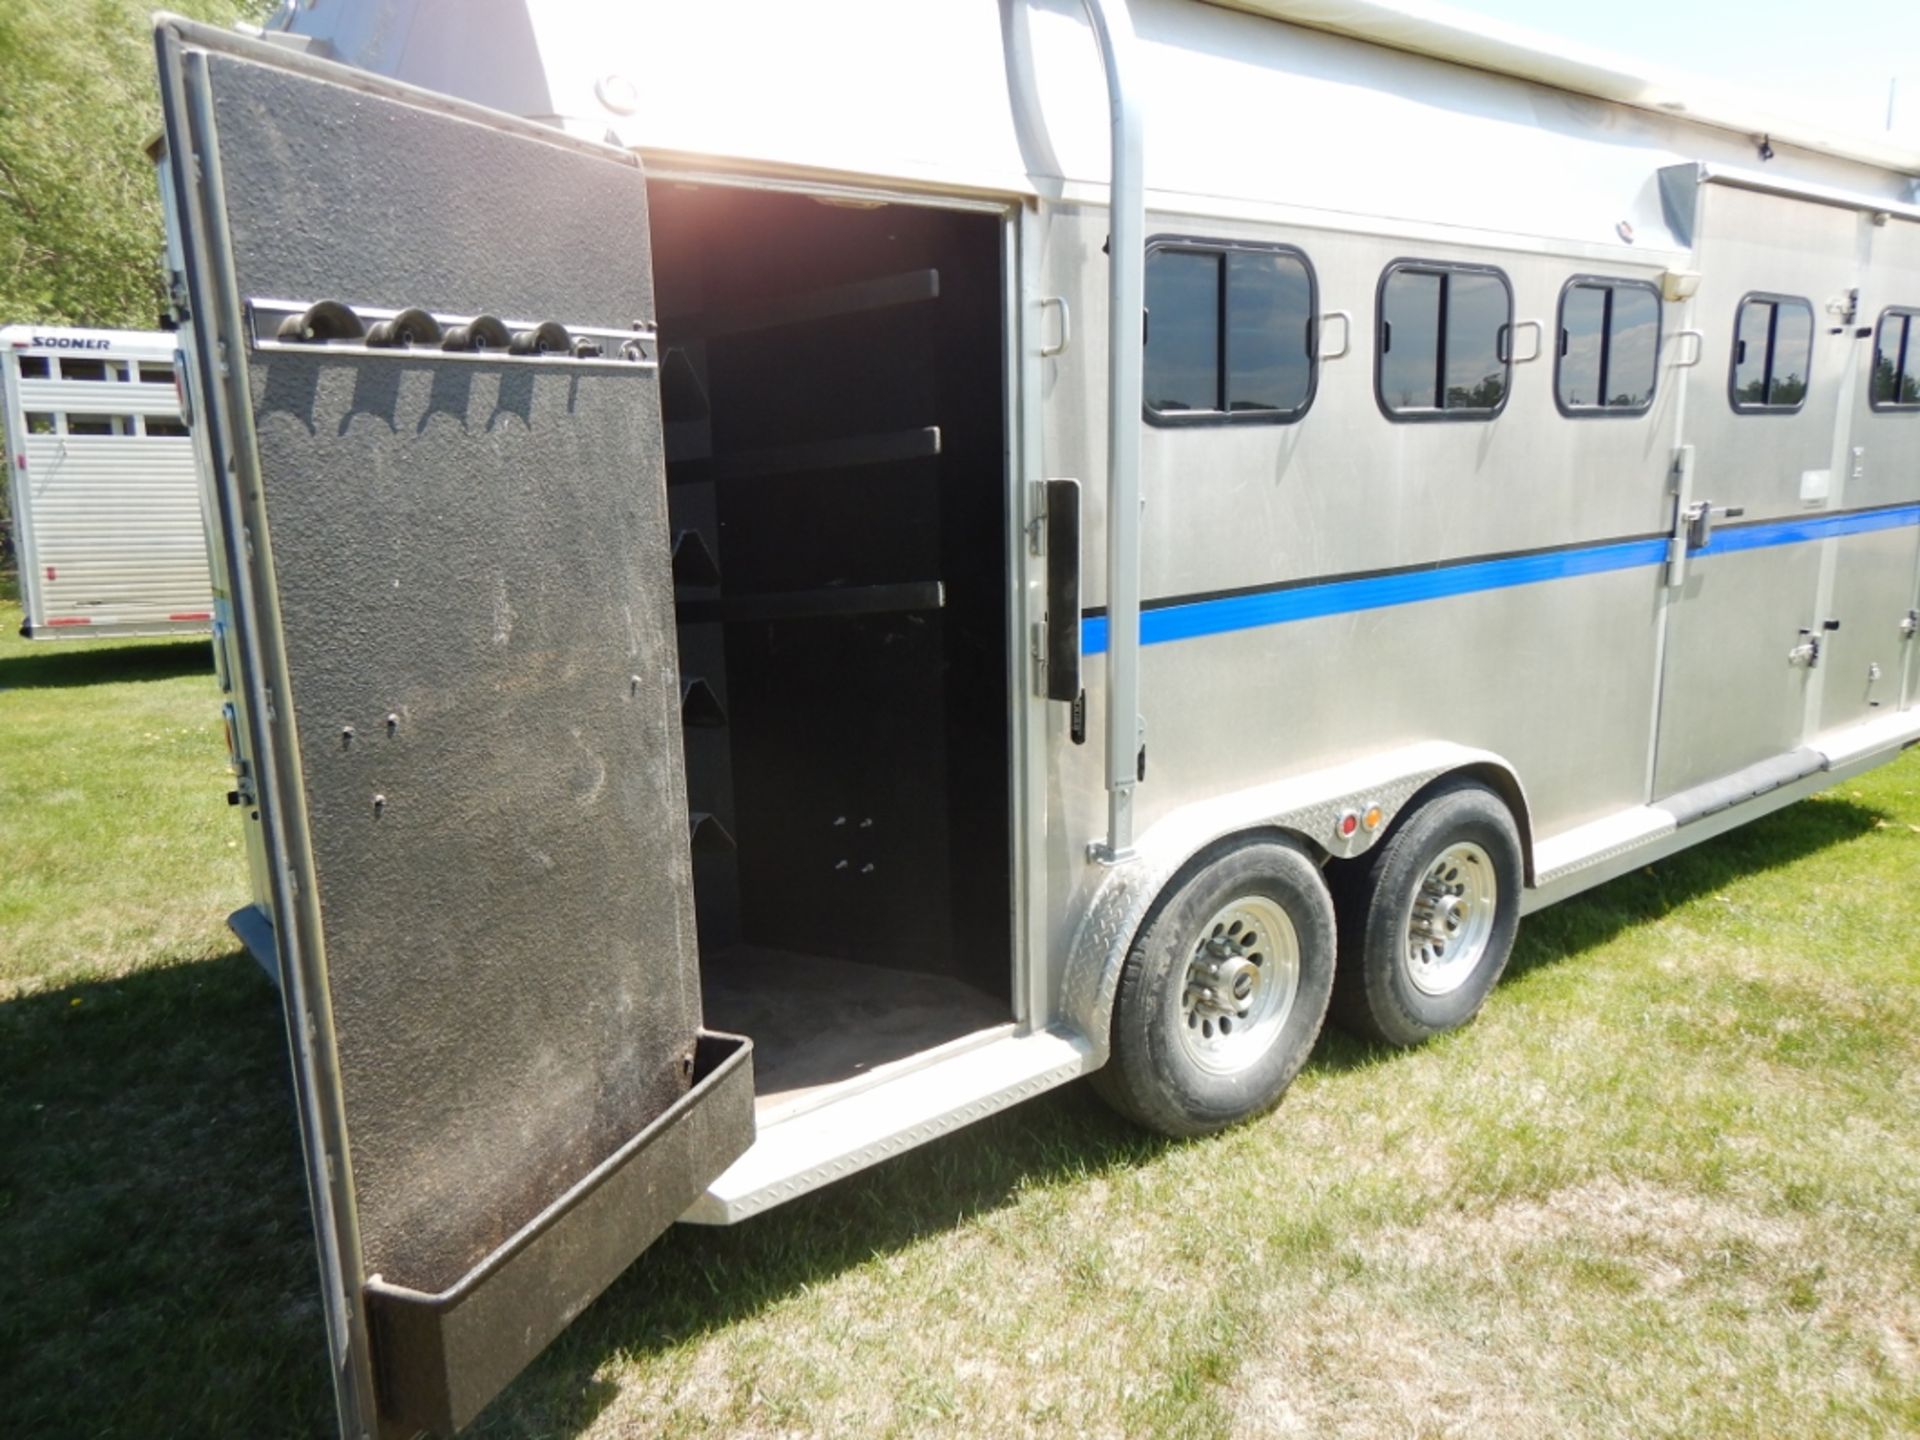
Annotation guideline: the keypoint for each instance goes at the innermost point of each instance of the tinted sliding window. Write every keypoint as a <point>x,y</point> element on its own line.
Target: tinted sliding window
<point>1443,341</point>
<point>1896,361</point>
<point>1229,333</point>
<point>99,424</point>
<point>1772,352</point>
<point>1609,345</point>
<point>72,369</point>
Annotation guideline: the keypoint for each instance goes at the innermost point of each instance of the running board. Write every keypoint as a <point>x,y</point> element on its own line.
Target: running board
<point>1697,803</point>
<point>832,1140</point>
<point>1593,854</point>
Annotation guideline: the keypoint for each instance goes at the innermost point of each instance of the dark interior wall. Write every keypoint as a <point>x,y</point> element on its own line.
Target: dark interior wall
<point>855,633</point>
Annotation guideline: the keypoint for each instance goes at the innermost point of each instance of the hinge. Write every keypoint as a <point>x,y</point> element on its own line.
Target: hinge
<point>1038,634</point>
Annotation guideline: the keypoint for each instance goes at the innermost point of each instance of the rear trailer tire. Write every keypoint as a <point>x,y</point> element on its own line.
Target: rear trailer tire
<point>1427,919</point>
<point>1223,993</point>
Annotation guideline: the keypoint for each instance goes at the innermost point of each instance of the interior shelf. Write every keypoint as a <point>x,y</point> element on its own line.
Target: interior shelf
<point>844,452</point>
<point>881,293</point>
<point>819,604</point>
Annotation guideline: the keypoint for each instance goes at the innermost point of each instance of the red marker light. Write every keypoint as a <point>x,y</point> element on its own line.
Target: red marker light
<point>1349,823</point>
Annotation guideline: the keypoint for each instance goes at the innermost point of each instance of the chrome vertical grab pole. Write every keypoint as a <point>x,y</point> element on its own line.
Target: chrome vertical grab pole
<point>1126,309</point>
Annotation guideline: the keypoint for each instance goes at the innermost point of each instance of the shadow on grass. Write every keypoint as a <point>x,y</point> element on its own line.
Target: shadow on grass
<point>97,664</point>
<point>156,1271</point>
<point>1590,920</point>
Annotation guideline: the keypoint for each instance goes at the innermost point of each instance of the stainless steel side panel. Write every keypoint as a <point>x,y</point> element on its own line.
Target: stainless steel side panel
<point>1731,698</point>
<point>1863,662</point>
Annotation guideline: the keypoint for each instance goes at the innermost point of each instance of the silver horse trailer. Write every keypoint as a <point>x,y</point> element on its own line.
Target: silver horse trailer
<point>812,572</point>
<point>107,526</point>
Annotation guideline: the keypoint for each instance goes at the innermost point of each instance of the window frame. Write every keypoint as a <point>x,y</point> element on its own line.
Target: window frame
<point>1441,414</point>
<point>1611,283</point>
<point>1776,299</point>
<point>1909,347</point>
<point>1206,245</point>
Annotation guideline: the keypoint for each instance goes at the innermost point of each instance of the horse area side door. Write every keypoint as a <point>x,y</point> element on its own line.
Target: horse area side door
<point>422,345</point>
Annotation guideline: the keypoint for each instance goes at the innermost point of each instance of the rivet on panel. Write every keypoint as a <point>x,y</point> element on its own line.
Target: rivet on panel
<point>379,805</point>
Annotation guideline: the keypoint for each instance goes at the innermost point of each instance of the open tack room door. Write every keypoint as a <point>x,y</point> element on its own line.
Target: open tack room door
<point>423,351</point>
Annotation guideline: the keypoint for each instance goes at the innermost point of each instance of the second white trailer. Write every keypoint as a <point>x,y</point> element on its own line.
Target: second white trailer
<point>107,520</point>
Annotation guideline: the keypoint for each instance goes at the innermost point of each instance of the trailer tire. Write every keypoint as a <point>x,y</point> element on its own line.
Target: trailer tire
<point>1427,918</point>
<point>1224,991</point>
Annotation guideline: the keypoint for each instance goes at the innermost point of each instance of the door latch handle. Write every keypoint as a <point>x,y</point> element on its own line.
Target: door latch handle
<point>1807,652</point>
<point>1700,517</point>
<point>1910,626</point>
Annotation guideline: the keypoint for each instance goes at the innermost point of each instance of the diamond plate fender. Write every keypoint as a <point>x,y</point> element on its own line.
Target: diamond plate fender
<point>1307,805</point>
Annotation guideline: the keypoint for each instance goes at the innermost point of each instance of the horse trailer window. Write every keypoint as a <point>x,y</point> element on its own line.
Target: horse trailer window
<point>1896,361</point>
<point>164,425</point>
<point>72,369</point>
<point>1772,353</point>
<point>34,367</point>
<point>99,425</point>
<point>1609,343</point>
<point>1443,341</point>
<point>1229,333</point>
<point>155,372</point>
<point>39,422</point>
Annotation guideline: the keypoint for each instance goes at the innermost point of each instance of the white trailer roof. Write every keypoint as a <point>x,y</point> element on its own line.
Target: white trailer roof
<point>1423,28</point>
<point>1402,111</point>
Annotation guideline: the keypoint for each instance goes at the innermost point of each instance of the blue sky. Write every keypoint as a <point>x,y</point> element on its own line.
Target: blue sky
<point>1828,60</point>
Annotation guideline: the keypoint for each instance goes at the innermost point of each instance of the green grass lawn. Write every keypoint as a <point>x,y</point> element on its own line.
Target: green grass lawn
<point>1669,1185</point>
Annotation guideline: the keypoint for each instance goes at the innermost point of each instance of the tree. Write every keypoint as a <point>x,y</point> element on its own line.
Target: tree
<point>79,206</point>
<point>80,240</point>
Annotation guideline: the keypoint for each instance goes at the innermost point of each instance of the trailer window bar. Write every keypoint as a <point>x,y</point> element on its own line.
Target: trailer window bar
<point>1762,377</point>
<point>1623,376</point>
<point>1896,360</point>
<point>1226,398</point>
<point>1482,400</point>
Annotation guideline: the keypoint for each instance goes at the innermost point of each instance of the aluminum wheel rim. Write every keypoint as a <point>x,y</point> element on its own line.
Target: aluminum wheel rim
<point>1242,976</point>
<point>1451,920</point>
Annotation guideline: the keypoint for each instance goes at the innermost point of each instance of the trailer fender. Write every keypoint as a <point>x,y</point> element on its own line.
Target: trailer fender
<point>1329,809</point>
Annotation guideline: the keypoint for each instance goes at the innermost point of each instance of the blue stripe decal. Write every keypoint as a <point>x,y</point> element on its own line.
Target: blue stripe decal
<point>1376,592</point>
<point>1810,527</point>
